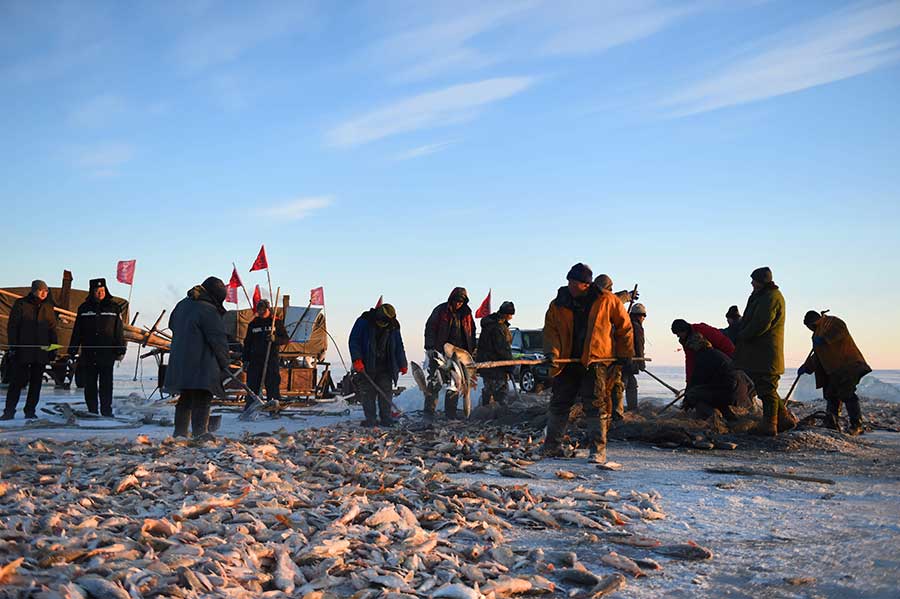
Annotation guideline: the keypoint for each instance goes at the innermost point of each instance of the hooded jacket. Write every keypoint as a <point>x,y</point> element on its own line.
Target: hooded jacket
<point>32,325</point>
<point>495,343</point>
<point>439,329</point>
<point>760,341</point>
<point>608,332</point>
<point>199,352</point>
<point>363,338</point>
<point>838,357</point>
<point>98,332</point>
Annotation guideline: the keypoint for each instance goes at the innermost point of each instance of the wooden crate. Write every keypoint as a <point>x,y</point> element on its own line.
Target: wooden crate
<point>298,382</point>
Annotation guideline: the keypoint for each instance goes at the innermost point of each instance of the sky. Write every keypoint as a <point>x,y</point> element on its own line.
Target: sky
<point>404,148</point>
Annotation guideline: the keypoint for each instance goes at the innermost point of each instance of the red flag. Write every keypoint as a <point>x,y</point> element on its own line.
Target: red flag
<point>231,295</point>
<point>380,301</point>
<point>235,281</point>
<point>256,297</point>
<point>317,296</point>
<point>485,308</point>
<point>125,271</point>
<point>261,262</point>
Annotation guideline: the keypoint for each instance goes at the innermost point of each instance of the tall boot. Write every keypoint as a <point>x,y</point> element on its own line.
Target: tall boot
<point>786,420</point>
<point>768,425</point>
<point>597,427</point>
<point>855,414</point>
<point>368,406</point>
<point>200,416</point>
<point>384,409</point>
<point>451,400</point>
<point>182,416</point>
<point>556,430</point>
<point>832,415</point>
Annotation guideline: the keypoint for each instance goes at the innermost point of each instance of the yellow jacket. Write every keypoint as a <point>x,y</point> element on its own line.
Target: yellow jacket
<point>838,356</point>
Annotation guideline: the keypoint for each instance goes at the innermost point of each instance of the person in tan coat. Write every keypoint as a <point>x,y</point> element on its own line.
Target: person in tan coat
<point>591,327</point>
<point>838,365</point>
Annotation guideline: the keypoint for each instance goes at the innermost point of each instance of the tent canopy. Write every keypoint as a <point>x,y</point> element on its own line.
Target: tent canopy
<point>309,339</point>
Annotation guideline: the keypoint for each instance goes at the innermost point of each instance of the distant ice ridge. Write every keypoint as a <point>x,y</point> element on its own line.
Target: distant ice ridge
<point>870,386</point>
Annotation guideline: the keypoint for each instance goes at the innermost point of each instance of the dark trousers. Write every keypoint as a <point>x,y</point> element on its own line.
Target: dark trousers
<point>494,390</point>
<point>19,375</point>
<point>631,391</point>
<point>593,386</point>
<point>102,374</point>
<point>192,407</point>
<point>374,402</point>
<point>273,379</point>
<point>842,390</point>
<point>451,398</point>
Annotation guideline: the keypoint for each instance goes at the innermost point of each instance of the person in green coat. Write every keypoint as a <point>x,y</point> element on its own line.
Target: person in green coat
<point>759,350</point>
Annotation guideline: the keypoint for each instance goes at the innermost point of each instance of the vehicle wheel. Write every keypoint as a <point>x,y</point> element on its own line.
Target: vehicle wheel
<point>527,381</point>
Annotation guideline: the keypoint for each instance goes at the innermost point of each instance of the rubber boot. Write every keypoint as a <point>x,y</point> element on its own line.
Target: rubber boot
<point>200,417</point>
<point>556,429</point>
<point>786,420</point>
<point>767,426</point>
<point>450,405</point>
<point>182,418</point>
<point>368,405</point>
<point>596,439</point>
<point>855,414</point>
<point>384,408</point>
<point>832,415</point>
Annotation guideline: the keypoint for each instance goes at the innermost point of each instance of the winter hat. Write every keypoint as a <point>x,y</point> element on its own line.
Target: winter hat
<point>95,284</point>
<point>811,317</point>
<point>507,308</point>
<point>387,311</point>
<point>762,275</point>
<point>733,312</point>
<point>604,282</point>
<point>639,310</point>
<point>581,273</point>
<point>38,285</point>
<point>215,288</point>
<point>681,326</point>
<point>263,305</point>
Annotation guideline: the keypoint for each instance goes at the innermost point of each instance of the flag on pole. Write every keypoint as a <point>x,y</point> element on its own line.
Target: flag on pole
<point>231,295</point>
<point>235,281</point>
<point>380,301</point>
<point>261,262</point>
<point>125,271</point>
<point>485,308</point>
<point>256,297</point>
<point>317,296</point>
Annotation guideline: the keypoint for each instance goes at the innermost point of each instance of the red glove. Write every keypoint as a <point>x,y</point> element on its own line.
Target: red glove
<point>403,370</point>
<point>358,365</point>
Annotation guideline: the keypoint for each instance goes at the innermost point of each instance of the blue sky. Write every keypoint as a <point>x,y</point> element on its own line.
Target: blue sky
<point>404,148</point>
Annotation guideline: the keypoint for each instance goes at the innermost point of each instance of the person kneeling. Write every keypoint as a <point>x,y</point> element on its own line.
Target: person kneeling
<point>714,384</point>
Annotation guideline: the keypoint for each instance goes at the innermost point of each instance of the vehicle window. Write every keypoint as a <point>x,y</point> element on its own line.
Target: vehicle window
<point>516,338</point>
<point>533,340</point>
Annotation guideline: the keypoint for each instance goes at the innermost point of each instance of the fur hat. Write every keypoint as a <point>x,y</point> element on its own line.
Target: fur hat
<point>580,272</point>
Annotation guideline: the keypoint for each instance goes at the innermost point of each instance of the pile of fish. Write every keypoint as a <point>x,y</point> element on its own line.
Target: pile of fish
<point>332,512</point>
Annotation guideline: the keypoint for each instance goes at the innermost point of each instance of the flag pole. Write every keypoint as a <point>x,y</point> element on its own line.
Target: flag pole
<point>247,295</point>
<point>269,277</point>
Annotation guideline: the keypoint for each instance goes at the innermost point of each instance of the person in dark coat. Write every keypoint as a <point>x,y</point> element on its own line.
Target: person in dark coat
<point>198,360</point>
<point>733,317</point>
<point>638,314</point>
<point>495,343</point>
<point>714,384</point>
<point>98,340</point>
<point>376,348</point>
<point>31,329</point>
<point>259,342</point>
<point>450,322</point>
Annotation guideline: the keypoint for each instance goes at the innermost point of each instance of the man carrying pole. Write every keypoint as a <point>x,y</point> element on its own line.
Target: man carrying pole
<point>376,348</point>
<point>592,326</point>
<point>265,334</point>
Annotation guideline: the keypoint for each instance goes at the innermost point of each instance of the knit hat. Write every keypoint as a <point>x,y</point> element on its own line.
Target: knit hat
<point>95,284</point>
<point>263,305</point>
<point>39,285</point>
<point>811,317</point>
<point>507,308</point>
<point>215,288</point>
<point>681,326</point>
<point>387,311</point>
<point>604,282</point>
<point>733,312</point>
<point>581,273</point>
<point>639,310</point>
<point>762,275</point>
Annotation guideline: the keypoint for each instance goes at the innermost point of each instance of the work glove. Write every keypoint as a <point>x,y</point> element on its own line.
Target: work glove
<point>358,365</point>
<point>404,370</point>
<point>635,295</point>
<point>817,341</point>
<point>802,370</point>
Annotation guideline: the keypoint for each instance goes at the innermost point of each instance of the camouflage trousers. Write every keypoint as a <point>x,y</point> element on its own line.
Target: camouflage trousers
<point>594,387</point>
<point>494,390</point>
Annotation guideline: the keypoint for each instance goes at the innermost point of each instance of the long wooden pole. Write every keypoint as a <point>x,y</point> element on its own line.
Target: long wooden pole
<point>663,383</point>
<point>269,346</point>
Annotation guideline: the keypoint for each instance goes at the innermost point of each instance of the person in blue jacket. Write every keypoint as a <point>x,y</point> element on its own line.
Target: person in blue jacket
<point>376,349</point>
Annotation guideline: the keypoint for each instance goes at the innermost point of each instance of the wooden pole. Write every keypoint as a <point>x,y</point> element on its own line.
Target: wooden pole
<point>663,383</point>
<point>269,346</point>
<point>631,303</point>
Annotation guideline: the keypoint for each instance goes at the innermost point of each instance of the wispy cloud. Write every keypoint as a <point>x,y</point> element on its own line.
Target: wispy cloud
<point>424,150</point>
<point>591,27</point>
<point>103,159</point>
<point>442,45</point>
<point>298,208</point>
<point>450,105</point>
<point>851,42</point>
<point>98,111</point>
<point>214,42</point>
